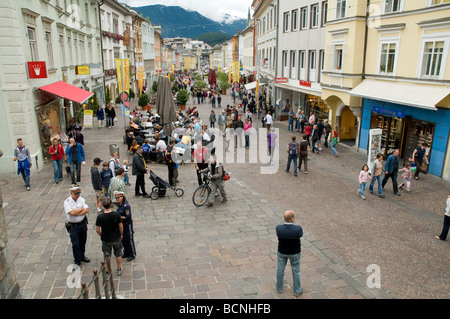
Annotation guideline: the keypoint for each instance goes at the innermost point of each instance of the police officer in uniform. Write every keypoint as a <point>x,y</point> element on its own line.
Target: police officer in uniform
<point>124,209</point>
<point>76,210</point>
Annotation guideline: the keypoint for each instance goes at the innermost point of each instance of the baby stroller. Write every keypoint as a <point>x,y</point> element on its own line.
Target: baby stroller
<point>159,190</point>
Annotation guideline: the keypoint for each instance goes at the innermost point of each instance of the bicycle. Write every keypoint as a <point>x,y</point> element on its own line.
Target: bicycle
<point>201,194</point>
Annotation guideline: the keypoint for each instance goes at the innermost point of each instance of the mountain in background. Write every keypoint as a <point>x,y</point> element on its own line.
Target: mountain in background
<point>213,38</point>
<point>178,22</point>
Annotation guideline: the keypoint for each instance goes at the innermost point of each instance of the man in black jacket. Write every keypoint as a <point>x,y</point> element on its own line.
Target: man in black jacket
<point>97,184</point>
<point>139,169</point>
<point>289,247</point>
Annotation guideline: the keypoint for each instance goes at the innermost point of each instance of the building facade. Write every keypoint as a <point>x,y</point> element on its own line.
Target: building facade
<point>54,43</point>
<point>300,57</point>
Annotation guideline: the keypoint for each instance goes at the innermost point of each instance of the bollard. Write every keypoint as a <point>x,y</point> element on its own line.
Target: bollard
<point>105,280</point>
<point>84,291</point>
<point>98,293</point>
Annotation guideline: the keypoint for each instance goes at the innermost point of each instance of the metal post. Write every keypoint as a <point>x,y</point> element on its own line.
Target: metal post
<point>98,293</point>
<point>84,291</point>
<point>111,279</point>
<point>105,280</point>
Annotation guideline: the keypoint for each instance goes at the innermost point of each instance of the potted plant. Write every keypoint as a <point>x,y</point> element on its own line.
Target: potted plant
<point>182,98</point>
<point>143,100</point>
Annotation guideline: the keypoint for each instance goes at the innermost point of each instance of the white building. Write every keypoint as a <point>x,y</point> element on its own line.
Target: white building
<point>301,54</point>
<point>54,44</point>
<point>248,48</point>
<point>115,20</point>
<point>148,46</point>
<point>265,15</point>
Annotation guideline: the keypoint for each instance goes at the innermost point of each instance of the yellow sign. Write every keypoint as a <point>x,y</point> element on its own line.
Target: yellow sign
<point>82,70</point>
<point>119,75</point>
<point>88,118</point>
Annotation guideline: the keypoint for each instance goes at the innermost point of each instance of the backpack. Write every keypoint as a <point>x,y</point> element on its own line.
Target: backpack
<point>293,148</point>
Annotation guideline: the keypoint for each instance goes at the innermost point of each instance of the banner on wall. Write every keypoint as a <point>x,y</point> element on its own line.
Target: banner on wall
<point>123,80</point>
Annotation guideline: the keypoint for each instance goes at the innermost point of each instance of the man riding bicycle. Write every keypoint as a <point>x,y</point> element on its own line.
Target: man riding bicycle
<point>216,172</point>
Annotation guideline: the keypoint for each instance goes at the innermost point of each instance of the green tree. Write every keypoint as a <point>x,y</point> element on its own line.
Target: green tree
<point>93,103</point>
<point>143,100</point>
<point>107,95</point>
<point>155,87</point>
<point>131,93</point>
<point>182,97</point>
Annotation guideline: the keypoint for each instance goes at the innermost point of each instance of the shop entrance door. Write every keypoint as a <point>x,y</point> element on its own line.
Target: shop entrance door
<point>418,132</point>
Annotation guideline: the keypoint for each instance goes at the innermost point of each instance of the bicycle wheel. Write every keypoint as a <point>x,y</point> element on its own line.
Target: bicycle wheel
<point>201,195</point>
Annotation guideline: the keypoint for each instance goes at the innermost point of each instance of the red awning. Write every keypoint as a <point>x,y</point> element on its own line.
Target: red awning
<point>67,91</point>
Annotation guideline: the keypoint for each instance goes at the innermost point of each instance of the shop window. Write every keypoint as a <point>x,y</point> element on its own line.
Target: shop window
<point>391,137</point>
<point>48,119</point>
<point>419,132</point>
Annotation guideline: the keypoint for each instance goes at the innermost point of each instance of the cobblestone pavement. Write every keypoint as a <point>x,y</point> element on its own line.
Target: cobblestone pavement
<point>229,250</point>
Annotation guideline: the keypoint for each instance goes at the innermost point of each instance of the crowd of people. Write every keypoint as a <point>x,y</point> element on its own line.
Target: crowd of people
<point>109,179</point>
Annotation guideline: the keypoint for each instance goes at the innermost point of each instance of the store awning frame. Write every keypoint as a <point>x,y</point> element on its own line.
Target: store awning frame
<point>252,85</point>
<point>420,96</point>
<point>67,91</point>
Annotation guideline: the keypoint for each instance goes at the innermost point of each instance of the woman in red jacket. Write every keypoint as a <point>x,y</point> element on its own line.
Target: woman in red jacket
<point>308,131</point>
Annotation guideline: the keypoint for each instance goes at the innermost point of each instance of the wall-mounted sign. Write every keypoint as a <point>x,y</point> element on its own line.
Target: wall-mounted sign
<point>281,80</point>
<point>390,112</point>
<point>82,70</point>
<point>37,70</point>
<point>305,83</point>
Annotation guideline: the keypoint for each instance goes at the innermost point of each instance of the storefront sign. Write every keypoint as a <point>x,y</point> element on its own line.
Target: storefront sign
<point>305,83</point>
<point>88,118</point>
<point>281,80</point>
<point>384,111</point>
<point>82,70</point>
<point>37,70</point>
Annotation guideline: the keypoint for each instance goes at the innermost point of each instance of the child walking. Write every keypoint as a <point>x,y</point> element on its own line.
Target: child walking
<point>406,175</point>
<point>126,179</point>
<point>364,176</point>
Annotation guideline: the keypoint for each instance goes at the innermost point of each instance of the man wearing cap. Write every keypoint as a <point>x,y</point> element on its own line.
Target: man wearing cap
<point>124,209</point>
<point>76,210</point>
<point>97,184</point>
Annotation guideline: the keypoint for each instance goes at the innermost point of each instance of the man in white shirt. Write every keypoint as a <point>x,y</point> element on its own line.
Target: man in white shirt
<point>161,146</point>
<point>76,210</point>
<point>269,121</point>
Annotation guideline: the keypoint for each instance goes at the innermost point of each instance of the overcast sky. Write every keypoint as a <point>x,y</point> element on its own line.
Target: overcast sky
<point>213,9</point>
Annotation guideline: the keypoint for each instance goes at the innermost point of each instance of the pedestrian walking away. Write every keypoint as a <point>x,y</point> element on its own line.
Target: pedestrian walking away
<point>444,233</point>
<point>57,154</point>
<point>139,169</point>
<point>110,229</point>
<point>100,116</point>
<point>76,210</point>
<point>289,248</point>
<point>23,158</point>
<point>364,176</point>
<point>377,175</point>
<point>391,171</point>
<point>124,209</point>
<point>97,184</point>
<point>303,157</point>
<point>293,151</point>
<point>216,172</point>
<point>272,143</point>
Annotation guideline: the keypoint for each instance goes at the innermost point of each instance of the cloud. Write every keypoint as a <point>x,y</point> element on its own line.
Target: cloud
<point>213,9</point>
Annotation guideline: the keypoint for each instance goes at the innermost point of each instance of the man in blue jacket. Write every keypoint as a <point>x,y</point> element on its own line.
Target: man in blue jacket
<point>391,171</point>
<point>289,247</point>
<point>75,156</point>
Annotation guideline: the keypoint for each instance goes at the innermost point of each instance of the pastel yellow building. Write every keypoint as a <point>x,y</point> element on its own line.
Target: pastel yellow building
<point>387,66</point>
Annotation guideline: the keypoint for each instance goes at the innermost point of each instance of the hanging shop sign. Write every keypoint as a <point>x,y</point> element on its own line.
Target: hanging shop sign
<point>305,83</point>
<point>37,70</point>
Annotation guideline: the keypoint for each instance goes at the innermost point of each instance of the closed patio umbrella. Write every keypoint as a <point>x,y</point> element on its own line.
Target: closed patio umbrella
<point>165,105</point>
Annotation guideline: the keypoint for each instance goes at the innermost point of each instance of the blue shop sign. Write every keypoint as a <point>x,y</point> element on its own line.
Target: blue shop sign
<point>384,111</point>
